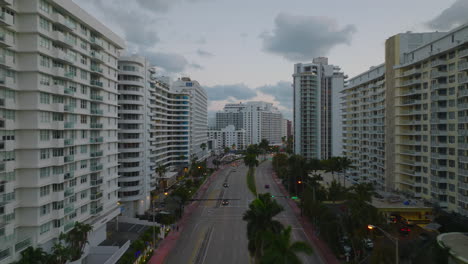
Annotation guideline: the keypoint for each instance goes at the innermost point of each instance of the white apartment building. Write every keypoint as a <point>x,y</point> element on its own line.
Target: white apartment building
<point>227,137</point>
<point>58,124</point>
<point>317,109</point>
<point>136,171</point>
<point>260,120</point>
<point>198,111</point>
<point>363,126</point>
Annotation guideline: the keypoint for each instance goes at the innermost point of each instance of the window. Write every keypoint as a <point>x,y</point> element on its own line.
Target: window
<point>45,172</point>
<point>84,75</point>
<point>44,42</point>
<point>83,179</point>
<point>44,6</point>
<point>44,98</point>
<point>83,134</point>
<point>58,152</point>
<point>84,104</point>
<point>45,154</point>
<point>57,205</point>
<point>84,119</point>
<point>44,80</point>
<point>84,90</point>
<point>45,228</point>
<point>84,149</point>
<point>44,61</point>
<point>45,209</point>
<point>44,135</point>
<point>45,190</point>
<point>44,24</point>
<point>84,208</point>
<point>84,164</point>
<point>83,194</point>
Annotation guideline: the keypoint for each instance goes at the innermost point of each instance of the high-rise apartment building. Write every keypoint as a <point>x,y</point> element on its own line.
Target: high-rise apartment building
<point>227,137</point>
<point>198,116</point>
<point>317,109</point>
<point>58,124</point>
<point>136,171</point>
<point>260,120</point>
<point>426,86</point>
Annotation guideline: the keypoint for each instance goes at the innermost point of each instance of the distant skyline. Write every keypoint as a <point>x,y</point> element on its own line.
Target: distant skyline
<point>245,50</point>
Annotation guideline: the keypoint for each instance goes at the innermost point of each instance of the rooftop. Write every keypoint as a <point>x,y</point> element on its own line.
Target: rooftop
<point>458,244</point>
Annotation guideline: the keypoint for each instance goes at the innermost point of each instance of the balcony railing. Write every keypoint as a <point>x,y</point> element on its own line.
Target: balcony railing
<point>96,83</point>
<point>96,125</point>
<point>96,154</point>
<point>68,141</point>
<point>69,158</point>
<point>96,210</point>
<point>95,111</point>
<point>96,140</point>
<point>69,192</point>
<point>69,125</point>
<point>96,97</point>
<point>96,167</point>
<point>68,175</point>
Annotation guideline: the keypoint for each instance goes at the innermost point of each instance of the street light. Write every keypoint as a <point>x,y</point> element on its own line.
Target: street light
<point>392,238</point>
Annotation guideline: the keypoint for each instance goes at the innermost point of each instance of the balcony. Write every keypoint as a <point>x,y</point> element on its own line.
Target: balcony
<point>96,43</point>
<point>69,192</point>
<point>96,83</point>
<point>463,66</point>
<point>69,91</point>
<point>96,154</point>
<point>69,108</point>
<point>68,226</point>
<point>96,69</point>
<point>63,23</point>
<point>410,82</point>
<point>462,80</point>
<point>96,182</point>
<point>438,62</point>
<point>62,40</point>
<point>69,158</point>
<point>96,167</point>
<point>96,195</point>
<point>69,175</point>
<point>96,210</point>
<point>96,111</point>
<point>438,74</point>
<point>69,125</point>
<point>463,53</point>
<point>6,19</point>
<point>69,209</point>
<point>95,125</point>
<point>96,97</point>
<point>68,141</point>
<point>95,55</point>
<point>96,140</point>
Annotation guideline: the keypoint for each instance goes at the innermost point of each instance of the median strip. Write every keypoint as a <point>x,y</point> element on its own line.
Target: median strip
<point>251,181</point>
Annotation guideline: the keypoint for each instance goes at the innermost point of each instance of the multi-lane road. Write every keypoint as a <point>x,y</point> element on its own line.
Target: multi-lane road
<point>216,233</point>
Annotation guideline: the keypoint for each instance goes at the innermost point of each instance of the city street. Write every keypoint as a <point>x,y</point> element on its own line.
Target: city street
<point>217,233</point>
<point>287,217</point>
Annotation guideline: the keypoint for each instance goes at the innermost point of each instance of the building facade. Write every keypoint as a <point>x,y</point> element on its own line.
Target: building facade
<point>136,171</point>
<point>198,116</point>
<point>425,86</point>
<point>58,104</point>
<point>260,120</point>
<point>317,109</point>
<point>227,137</point>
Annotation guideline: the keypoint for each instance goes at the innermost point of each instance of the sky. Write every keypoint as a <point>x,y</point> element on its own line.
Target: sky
<point>245,50</point>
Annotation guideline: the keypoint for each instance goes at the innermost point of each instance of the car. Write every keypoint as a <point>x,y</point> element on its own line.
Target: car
<point>225,202</point>
<point>267,186</point>
<point>225,185</point>
<point>368,243</point>
<point>404,230</point>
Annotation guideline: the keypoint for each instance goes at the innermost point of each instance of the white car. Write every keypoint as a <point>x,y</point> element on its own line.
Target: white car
<point>368,243</point>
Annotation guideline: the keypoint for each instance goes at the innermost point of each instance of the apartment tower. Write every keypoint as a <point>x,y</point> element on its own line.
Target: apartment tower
<point>317,109</point>
<point>58,124</point>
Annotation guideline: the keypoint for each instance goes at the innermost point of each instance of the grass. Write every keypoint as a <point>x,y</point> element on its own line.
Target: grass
<point>251,181</point>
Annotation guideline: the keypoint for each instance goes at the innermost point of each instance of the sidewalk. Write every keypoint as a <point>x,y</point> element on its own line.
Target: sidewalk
<point>169,242</point>
<point>324,251</point>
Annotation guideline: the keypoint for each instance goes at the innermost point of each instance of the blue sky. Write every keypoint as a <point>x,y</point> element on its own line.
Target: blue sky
<point>245,49</point>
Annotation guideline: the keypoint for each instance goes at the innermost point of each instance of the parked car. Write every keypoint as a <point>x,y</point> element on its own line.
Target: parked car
<point>404,230</point>
<point>368,243</point>
<point>225,202</point>
<point>225,185</point>
<point>267,186</point>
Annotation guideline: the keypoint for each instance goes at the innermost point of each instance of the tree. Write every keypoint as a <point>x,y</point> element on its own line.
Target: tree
<point>289,146</point>
<point>60,253</point>
<point>264,146</point>
<point>331,165</point>
<point>161,170</point>
<point>34,255</point>
<point>216,162</point>
<point>226,150</point>
<point>253,149</point>
<point>77,238</point>
<point>281,250</point>
<point>259,219</point>
<point>251,161</point>
<point>336,191</point>
<point>203,146</point>
<point>344,163</point>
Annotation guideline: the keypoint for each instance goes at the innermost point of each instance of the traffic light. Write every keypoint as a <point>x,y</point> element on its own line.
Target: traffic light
<point>272,196</point>
<point>294,197</point>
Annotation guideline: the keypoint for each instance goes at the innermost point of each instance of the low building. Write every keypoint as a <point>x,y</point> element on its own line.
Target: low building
<point>227,137</point>
<point>458,244</point>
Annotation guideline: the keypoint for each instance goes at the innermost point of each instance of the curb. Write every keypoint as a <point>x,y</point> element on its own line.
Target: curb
<point>168,243</point>
<point>324,251</point>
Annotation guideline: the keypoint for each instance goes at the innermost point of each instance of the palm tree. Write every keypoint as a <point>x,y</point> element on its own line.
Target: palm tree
<point>203,146</point>
<point>251,160</point>
<point>161,170</point>
<point>60,253</point>
<point>331,165</point>
<point>33,255</point>
<point>259,219</point>
<point>281,250</point>
<point>344,163</point>
<point>264,145</point>
<point>77,238</point>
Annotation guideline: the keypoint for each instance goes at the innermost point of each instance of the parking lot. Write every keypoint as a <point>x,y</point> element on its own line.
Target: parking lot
<point>125,232</point>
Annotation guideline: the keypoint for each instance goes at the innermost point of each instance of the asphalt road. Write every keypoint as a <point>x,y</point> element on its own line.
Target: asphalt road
<point>216,233</point>
<point>286,217</point>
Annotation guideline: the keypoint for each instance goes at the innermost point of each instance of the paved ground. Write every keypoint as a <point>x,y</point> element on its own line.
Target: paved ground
<point>216,233</point>
<point>287,217</point>
<point>125,232</point>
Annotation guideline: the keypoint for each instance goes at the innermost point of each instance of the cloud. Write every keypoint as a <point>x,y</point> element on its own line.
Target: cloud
<point>196,66</point>
<point>236,91</point>
<point>299,38</point>
<point>453,16</point>
<point>203,53</point>
<point>138,23</point>
<point>282,92</point>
